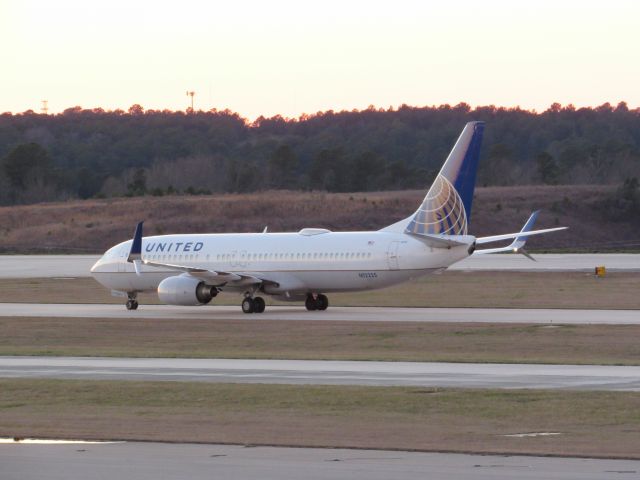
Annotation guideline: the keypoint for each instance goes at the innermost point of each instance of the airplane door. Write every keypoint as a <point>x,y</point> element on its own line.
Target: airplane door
<point>243,258</point>
<point>393,257</point>
<point>122,260</point>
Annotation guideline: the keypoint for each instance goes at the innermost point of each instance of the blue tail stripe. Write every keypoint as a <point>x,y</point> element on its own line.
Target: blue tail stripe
<point>465,181</point>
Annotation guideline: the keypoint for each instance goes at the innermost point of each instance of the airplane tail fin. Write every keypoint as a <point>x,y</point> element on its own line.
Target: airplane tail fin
<point>446,209</point>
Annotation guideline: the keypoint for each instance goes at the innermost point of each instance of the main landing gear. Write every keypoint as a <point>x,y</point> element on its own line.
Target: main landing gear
<point>132,303</point>
<point>253,305</point>
<point>316,302</point>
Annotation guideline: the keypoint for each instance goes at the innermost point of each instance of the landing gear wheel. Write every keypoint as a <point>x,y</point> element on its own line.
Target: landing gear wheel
<point>322,302</point>
<point>248,305</point>
<point>311,303</point>
<point>258,305</point>
<point>132,304</point>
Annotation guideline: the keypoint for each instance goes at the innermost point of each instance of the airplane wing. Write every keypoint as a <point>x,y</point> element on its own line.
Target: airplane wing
<point>213,277</point>
<point>509,236</point>
<point>519,239</point>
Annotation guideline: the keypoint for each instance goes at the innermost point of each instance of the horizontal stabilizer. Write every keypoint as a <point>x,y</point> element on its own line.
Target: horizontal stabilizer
<point>444,241</point>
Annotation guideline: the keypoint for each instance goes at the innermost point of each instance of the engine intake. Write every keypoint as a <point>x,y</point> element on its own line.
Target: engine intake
<point>185,290</point>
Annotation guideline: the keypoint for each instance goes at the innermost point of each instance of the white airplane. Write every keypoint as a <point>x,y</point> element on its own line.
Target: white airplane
<point>191,269</point>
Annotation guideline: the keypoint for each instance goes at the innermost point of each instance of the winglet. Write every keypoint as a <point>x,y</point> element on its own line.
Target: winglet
<point>519,242</point>
<point>136,246</point>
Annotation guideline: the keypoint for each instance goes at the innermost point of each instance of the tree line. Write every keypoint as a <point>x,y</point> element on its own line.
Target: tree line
<point>84,153</point>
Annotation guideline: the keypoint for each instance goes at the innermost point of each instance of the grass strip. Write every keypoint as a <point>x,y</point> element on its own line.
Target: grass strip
<point>590,423</point>
<point>322,340</point>
<point>450,289</point>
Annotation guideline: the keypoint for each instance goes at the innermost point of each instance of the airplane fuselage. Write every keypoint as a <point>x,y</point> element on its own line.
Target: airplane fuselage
<point>309,261</point>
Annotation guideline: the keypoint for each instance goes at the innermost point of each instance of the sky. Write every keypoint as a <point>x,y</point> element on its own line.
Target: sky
<point>293,57</point>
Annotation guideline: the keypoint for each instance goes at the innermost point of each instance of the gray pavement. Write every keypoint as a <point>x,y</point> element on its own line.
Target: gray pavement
<point>41,266</point>
<point>355,314</point>
<point>46,266</point>
<point>152,461</point>
<point>560,262</point>
<point>318,372</point>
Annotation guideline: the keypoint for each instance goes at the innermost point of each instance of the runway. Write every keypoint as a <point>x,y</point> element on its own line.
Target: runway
<point>317,372</point>
<point>352,314</point>
<point>151,461</point>
<point>50,266</point>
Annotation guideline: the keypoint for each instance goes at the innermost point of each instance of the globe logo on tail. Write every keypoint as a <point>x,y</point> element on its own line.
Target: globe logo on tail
<point>442,211</point>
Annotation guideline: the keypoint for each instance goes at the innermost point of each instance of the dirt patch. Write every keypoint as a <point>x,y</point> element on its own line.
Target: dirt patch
<point>95,225</point>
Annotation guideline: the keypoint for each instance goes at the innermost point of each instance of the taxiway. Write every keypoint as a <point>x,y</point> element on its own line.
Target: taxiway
<point>353,314</point>
<point>193,461</point>
<point>318,372</point>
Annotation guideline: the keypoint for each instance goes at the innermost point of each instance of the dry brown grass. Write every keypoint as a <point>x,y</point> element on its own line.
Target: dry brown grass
<point>94,225</point>
<point>591,423</point>
<point>450,289</point>
<point>331,340</point>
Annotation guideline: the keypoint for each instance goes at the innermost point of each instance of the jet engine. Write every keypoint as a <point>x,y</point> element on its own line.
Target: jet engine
<point>185,290</point>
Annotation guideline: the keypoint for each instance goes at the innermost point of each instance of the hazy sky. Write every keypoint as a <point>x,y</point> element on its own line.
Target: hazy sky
<point>289,57</point>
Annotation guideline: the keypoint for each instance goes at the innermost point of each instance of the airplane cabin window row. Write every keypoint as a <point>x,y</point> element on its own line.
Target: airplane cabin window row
<point>267,256</point>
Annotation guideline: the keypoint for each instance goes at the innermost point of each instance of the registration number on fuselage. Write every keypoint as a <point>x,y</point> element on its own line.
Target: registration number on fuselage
<point>368,275</point>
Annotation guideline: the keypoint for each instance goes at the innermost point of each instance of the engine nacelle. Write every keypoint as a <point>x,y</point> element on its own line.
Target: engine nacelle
<point>185,290</point>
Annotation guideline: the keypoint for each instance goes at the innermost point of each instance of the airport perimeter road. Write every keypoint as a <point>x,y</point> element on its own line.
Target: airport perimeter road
<point>41,266</point>
<point>316,372</point>
<point>151,461</point>
<point>345,314</point>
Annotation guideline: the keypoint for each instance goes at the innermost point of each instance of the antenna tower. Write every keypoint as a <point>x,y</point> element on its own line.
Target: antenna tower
<point>191,94</point>
<point>45,107</point>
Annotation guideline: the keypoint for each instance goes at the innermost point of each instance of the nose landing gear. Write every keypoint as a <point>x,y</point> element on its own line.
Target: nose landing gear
<point>132,303</point>
<point>317,302</point>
